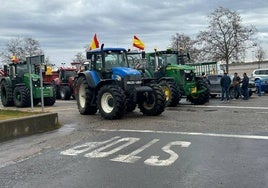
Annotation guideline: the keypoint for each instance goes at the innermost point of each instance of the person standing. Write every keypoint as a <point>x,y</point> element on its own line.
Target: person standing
<point>225,86</point>
<point>206,80</point>
<point>245,83</point>
<point>236,84</point>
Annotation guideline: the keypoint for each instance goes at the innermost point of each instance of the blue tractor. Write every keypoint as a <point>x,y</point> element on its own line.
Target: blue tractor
<point>113,88</point>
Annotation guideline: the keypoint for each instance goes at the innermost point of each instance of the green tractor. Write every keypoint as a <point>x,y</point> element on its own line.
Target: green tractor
<point>170,64</point>
<point>138,61</point>
<point>15,86</point>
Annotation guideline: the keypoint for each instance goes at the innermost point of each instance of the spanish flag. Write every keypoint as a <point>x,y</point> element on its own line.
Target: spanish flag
<point>94,43</point>
<point>138,43</point>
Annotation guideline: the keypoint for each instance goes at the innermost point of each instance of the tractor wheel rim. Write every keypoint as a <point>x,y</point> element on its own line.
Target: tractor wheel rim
<point>107,102</point>
<point>166,92</point>
<point>82,96</point>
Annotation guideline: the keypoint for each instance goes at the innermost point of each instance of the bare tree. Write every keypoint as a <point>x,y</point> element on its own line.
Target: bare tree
<point>32,47</point>
<point>184,44</point>
<point>79,58</point>
<point>260,55</point>
<point>226,38</point>
<point>21,48</point>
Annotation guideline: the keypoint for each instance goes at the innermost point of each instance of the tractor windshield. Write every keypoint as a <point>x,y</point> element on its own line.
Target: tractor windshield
<point>70,74</point>
<point>115,59</point>
<point>167,59</point>
<point>22,69</point>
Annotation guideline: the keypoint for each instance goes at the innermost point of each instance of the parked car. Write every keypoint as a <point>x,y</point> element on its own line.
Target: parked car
<point>260,73</point>
<point>215,86</point>
<point>264,84</point>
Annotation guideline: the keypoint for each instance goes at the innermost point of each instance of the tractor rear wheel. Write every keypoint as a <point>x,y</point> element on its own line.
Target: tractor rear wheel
<point>6,94</point>
<point>153,103</point>
<point>171,92</point>
<point>111,102</point>
<point>21,96</point>
<point>84,97</point>
<point>65,93</point>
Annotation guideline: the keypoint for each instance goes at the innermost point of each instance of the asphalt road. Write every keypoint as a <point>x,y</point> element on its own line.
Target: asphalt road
<point>212,145</point>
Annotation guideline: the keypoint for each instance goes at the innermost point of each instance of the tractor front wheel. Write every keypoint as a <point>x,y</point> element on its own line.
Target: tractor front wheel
<point>200,98</point>
<point>111,102</point>
<point>171,92</point>
<point>65,93</point>
<point>153,103</point>
<point>21,96</point>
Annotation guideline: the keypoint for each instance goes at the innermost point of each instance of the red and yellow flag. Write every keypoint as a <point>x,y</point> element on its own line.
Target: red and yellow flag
<point>95,43</point>
<point>138,43</point>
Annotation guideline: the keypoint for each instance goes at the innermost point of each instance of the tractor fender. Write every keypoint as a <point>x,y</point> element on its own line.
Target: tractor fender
<point>167,79</point>
<point>6,79</point>
<point>92,77</point>
<point>106,82</point>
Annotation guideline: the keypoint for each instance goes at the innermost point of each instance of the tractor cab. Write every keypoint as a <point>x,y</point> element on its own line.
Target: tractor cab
<point>106,59</point>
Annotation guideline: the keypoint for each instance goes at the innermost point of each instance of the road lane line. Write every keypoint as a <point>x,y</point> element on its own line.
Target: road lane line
<point>257,137</point>
<point>232,107</point>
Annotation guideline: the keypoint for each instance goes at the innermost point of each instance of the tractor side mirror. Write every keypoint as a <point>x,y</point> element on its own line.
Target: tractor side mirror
<point>5,70</point>
<point>143,55</point>
<point>12,72</point>
<point>89,55</point>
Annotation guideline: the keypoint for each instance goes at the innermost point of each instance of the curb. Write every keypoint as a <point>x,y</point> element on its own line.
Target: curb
<point>29,125</point>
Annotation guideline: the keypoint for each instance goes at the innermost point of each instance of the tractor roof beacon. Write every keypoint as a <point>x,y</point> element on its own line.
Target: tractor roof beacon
<point>113,88</point>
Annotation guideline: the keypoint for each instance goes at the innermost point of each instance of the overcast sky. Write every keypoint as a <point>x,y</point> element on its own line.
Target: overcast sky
<point>65,27</point>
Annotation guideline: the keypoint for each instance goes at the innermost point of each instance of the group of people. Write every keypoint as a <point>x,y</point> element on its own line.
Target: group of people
<point>226,83</point>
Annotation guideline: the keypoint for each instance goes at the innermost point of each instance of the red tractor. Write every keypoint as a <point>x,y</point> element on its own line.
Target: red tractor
<point>62,79</point>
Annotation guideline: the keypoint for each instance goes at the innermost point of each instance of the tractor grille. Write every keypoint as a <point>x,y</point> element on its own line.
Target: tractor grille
<point>132,81</point>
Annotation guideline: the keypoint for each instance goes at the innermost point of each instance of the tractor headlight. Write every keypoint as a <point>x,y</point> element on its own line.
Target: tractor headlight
<point>117,77</point>
<point>132,82</point>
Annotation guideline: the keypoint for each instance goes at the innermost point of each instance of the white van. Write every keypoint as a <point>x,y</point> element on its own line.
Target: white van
<point>260,73</point>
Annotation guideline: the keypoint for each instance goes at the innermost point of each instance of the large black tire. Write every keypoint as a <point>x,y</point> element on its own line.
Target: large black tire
<point>57,89</point>
<point>21,96</point>
<point>171,92</point>
<point>36,102</point>
<point>50,101</point>
<point>153,103</point>
<point>6,94</point>
<point>200,98</point>
<point>83,97</point>
<point>111,102</point>
<point>65,93</point>
<point>130,105</point>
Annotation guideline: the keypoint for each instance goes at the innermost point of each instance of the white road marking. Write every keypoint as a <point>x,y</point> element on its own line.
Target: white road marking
<point>132,158</point>
<point>188,133</point>
<point>85,147</point>
<point>154,160</point>
<point>98,153</point>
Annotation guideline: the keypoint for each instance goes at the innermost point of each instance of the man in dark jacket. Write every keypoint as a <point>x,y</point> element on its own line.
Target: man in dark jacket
<point>245,83</point>
<point>236,84</point>
<point>225,85</point>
